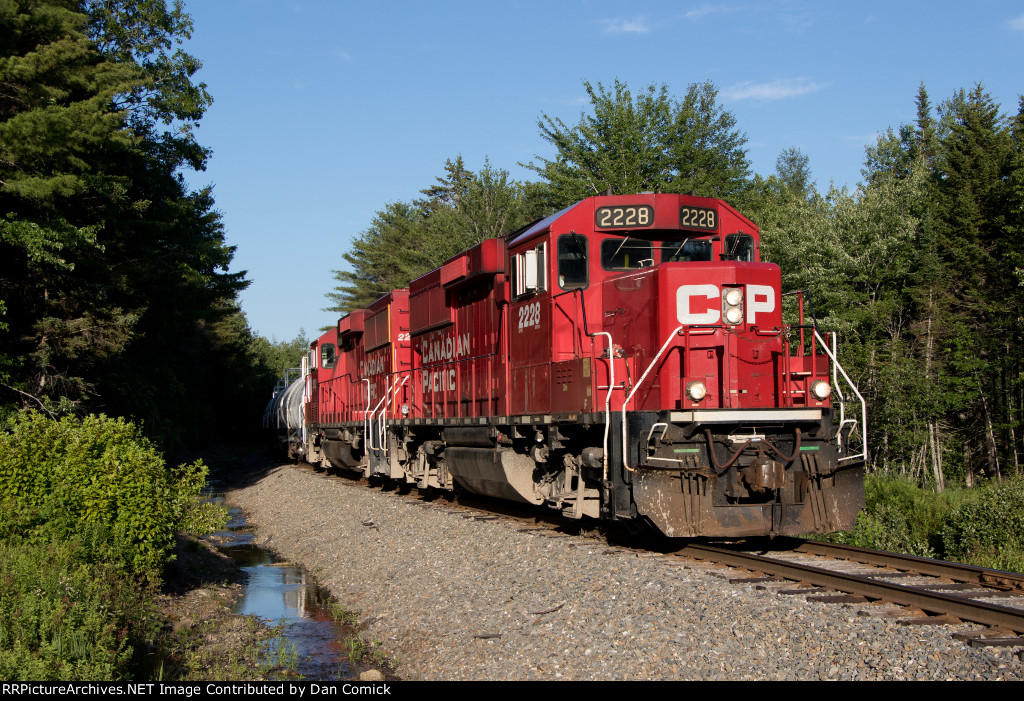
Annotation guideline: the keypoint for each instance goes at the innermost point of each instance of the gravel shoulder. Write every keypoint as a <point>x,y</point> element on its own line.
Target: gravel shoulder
<point>451,598</point>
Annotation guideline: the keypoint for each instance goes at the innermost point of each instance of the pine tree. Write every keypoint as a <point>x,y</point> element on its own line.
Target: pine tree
<point>406,240</point>
<point>794,172</point>
<point>106,258</point>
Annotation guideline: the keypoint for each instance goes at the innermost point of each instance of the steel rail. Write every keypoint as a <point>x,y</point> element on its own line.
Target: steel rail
<point>923,565</point>
<point>929,601</point>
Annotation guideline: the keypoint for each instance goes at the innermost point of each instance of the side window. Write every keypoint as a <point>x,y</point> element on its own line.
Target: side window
<point>529,272</point>
<point>327,355</point>
<point>626,254</point>
<point>573,270</point>
<point>739,247</point>
<point>686,251</point>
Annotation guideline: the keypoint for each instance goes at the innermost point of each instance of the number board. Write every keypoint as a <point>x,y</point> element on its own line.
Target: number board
<point>624,216</point>
<point>698,218</point>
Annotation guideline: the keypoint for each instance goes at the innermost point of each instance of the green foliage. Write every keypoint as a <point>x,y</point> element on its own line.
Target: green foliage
<point>981,526</point>
<point>408,239</point>
<point>280,356</point>
<point>794,172</point>
<point>899,516</point>
<point>88,513</point>
<point>100,483</point>
<point>145,34</point>
<point>986,527</point>
<point>5,362</point>
<point>854,255</point>
<point>916,271</point>
<point>56,111</point>
<point>63,617</point>
<point>106,258</point>
<point>356,649</point>
<point>187,655</point>
<point>648,143</point>
<point>343,615</point>
<point>464,208</point>
<point>279,657</point>
<point>385,257</point>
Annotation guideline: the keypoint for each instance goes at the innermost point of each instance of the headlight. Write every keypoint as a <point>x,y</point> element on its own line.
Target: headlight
<point>732,305</point>
<point>734,315</point>
<point>696,390</point>
<point>821,390</point>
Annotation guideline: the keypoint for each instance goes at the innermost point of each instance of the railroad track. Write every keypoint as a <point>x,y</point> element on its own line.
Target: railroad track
<point>932,591</point>
<point>928,591</point>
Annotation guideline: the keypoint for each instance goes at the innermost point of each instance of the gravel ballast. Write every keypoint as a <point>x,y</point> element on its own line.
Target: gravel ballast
<point>452,598</point>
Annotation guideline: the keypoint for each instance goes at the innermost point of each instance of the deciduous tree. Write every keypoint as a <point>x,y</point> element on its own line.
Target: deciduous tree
<point>652,142</point>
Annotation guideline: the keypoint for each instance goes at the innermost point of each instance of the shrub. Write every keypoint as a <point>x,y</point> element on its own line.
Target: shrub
<point>981,525</point>
<point>64,619</point>
<point>88,514</point>
<point>899,516</point>
<point>98,482</point>
<point>986,528</point>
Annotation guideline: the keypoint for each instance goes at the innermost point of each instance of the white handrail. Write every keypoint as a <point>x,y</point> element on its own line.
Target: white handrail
<point>625,458</point>
<point>372,414</point>
<point>395,386</point>
<point>863,455</point>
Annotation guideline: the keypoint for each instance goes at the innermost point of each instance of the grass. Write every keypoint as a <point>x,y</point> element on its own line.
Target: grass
<point>359,650</point>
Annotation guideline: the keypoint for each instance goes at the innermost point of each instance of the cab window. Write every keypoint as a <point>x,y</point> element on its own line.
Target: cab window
<point>327,355</point>
<point>529,272</point>
<point>739,247</point>
<point>573,273</point>
<point>687,250</point>
<point>626,254</point>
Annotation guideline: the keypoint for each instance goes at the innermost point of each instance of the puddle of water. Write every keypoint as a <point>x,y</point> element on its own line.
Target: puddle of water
<point>286,595</point>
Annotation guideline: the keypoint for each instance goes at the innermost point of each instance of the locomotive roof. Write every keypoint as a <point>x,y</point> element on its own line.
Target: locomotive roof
<point>540,226</point>
<point>649,198</point>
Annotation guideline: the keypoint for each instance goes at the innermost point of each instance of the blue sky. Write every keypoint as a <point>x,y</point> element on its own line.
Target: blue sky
<point>325,111</point>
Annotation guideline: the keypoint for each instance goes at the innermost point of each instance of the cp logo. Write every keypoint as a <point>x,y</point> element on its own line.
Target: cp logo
<point>698,304</point>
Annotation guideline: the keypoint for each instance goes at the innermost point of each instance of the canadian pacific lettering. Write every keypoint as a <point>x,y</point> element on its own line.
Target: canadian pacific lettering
<point>437,349</point>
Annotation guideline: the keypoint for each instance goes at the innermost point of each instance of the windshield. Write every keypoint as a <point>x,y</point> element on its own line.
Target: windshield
<point>626,254</point>
<point>687,250</point>
<point>739,247</point>
<point>630,253</point>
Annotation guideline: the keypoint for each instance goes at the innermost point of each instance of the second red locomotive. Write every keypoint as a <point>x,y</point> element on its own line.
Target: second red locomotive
<point>625,358</point>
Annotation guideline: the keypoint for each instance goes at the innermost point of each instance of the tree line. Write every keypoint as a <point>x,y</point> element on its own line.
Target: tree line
<point>919,268</point>
<point>115,297</point>
<point>115,293</point>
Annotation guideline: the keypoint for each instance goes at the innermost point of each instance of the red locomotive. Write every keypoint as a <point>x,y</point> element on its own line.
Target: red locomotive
<point>625,359</point>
